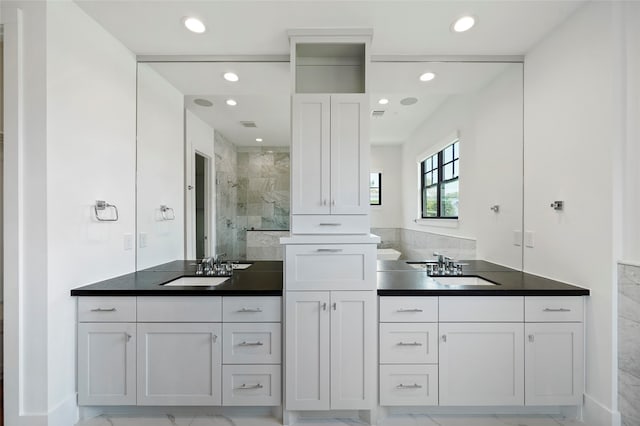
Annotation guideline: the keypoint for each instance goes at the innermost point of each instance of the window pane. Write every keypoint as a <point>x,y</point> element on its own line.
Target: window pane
<point>456,150</point>
<point>374,196</point>
<point>427,164</point>
<point>428,180</point>
<point>456,168</point>
<point>430,201</point>
<point>435,176</point>
<point>449,199</point>
<point>448,171</point>
<point>448,154</point>
<point>374,180</point>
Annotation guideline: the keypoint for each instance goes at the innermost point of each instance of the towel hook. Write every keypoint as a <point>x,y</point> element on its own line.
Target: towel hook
<point>102,205</point>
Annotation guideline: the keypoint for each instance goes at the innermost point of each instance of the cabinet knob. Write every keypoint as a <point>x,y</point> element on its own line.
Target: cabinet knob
<point>335,306</point>
<point>128,337</point>
<point>531,338</point>
<point>324,202</point>
<point>444,338</point>
<point>214,337</point>
<point>324,306</point>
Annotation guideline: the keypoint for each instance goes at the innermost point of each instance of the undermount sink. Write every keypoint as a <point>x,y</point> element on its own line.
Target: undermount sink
<point>241,265</point>
<point>197,282</point>
<point>462,281</point>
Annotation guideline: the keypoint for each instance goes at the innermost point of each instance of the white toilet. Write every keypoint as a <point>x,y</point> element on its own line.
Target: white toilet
<point>388,254</point>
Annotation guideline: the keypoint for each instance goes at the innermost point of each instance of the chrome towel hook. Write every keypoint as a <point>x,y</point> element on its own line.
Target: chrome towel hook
<point>167,213</point>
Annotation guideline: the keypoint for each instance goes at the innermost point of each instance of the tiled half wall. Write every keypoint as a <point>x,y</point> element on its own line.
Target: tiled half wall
<point>629,344</point>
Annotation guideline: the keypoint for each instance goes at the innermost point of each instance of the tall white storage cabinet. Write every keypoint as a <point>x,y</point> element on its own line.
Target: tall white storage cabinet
<point>330,258</point>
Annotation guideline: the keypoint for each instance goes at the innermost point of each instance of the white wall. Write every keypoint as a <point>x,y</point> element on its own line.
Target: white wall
<point>489,124</point>
<point>631,150</point>
<point>570,138</point>
<point>200,139</point>
<point>160,168</point>
<point>91,109</point>
<point>387,160</point>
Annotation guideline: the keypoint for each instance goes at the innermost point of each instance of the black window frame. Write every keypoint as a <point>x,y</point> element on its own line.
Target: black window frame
<point>440,182</point>
<point>379,203</point>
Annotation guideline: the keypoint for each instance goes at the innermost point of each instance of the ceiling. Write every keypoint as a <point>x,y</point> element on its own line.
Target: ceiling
<point>263,95</point>
<point>242,27</point>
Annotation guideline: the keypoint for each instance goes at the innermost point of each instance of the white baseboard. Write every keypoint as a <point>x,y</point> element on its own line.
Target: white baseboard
<point>65,413</point>
<point>596,414</point>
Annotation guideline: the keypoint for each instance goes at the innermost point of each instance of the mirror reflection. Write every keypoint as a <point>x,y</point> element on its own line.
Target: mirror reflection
<point>214,167</point>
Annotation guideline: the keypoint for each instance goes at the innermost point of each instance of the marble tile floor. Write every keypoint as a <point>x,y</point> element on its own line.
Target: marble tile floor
<point>395,420</point>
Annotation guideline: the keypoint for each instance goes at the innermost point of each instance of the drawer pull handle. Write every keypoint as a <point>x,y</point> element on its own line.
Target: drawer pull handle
<point>103,310</point>
<point>409,344</point>
<point>250,344</point>
<point>324,306</point>
<point>410,310</point>
<point>556,310</point>
<point>413,386</point>
<point>330,224</point>
<point>250,310</point>
<point>258,386</point>
<point>335,306</point>
<point>329,250</point>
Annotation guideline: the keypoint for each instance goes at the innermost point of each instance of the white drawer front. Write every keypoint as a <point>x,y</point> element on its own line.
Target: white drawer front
<point>408,309</point>
<point>331,267</point>
<point>408,385</point>
<point>481,309</point>
<point>106,309</point>
<point>180,309</point>
<point>406,343</point>
<point>251,309</point>
<point>553,309</point>
<point>251,385</point>
<point>330,224</point>
<point>251,343</point>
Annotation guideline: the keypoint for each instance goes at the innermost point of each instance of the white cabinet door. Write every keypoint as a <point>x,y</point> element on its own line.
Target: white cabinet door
<point>179,363</point>
<point>106,364</point>
<point>349,154</point>
<point>307,351</point>
<point>352,349</point>
<point>554,364</point>
<point>310,147</point>
<point>481,363</point>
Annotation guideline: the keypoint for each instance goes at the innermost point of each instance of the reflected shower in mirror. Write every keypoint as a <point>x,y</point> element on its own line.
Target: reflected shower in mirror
<point>217,153</point>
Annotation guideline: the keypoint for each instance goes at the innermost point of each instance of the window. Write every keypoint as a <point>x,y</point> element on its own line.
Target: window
<point>375,189</point>
<point>439,176</point>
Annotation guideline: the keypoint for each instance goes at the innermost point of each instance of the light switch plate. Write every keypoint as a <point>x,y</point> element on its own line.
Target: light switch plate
<point>143,239</point>
<point>529,239</point>
<point>517,238</point>
<point>128,241</point>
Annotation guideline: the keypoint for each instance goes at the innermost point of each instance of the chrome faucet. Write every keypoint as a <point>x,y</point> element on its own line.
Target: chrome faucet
<point>445,266</point>
<point>213,266</point>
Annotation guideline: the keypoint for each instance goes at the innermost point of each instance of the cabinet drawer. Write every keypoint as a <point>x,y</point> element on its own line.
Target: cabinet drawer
<point>481,309</point>
<point>251,385</point>
<point>249,343</point>
<point>406,343</point>
<point>408,385</point>
<point>107,309</point>
<point>408,309</point>
<point>330,224</point>
<point>179,309</point>
<point>251,309</point>
<point>553,309</point>
<point>330,267</point>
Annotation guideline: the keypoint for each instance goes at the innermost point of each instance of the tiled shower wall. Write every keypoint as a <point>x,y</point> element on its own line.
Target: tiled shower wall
<point>253,193</point>
<point>226,196</point>
<point>629,344</point>
<point>421,245</point>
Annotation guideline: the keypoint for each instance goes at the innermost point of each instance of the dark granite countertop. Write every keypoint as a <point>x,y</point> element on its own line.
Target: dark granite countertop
<point>262,278</point>
<point>398,278</point>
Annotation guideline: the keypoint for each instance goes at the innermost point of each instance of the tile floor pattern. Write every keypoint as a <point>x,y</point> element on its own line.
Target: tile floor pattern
<point>397,420</point>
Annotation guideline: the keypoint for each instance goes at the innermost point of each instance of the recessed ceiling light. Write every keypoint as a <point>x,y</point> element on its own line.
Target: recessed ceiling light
<point>383,101</point>
<point>427,76</point>
<point>231,76</point>
<point>194,25</point>
<point>408,101</point>
<point>258,139</point>
<point>203,102</point>
<point>231,102</point>
<point>463,24</point>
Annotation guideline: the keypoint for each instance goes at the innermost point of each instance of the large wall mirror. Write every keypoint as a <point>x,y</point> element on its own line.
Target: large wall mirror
<point>213,160</point>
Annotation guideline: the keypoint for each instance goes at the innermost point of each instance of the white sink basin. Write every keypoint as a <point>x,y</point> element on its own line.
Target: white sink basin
<point>197,281</point>
<point>241,265</point>
<point>462,281</point>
